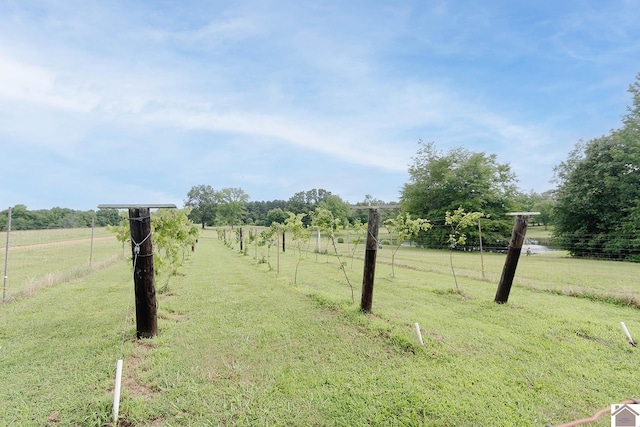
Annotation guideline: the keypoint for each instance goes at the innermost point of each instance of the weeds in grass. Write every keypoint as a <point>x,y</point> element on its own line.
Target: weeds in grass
<point>32,286</point>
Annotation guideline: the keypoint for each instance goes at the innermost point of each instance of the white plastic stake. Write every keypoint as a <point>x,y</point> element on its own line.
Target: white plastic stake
<point>116,392</point>
<point>419,333</point>
<point>626,331</point>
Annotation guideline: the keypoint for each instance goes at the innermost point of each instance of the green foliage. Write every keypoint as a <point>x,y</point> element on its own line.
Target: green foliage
<point>276,215</point>
<point>325,221</point>
<point>25,219</point>
<point>461,178</point>
<point>300,236</point>
<point>404,228</point>
<point>202,200</point>
<point>232,208</point>
<point>360,231</point>
<point>340,210</point>
<point>224,207</point>
<point>173,235</point>
<point>598,198</point>
<point>459,221</point>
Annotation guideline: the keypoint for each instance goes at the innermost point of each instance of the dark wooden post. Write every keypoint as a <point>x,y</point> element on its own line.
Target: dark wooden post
<point>241,242</point>
<point>143,273</point>
<point>513,255</point>
<point>283,245</point>
<point>370,253</point>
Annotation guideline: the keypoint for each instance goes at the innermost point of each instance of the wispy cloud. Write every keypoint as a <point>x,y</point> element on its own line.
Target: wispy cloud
<point>334,91</point>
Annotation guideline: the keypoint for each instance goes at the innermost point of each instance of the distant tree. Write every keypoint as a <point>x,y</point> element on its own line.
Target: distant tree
<point>257,211</point>
<point>202,199</point>
<point>277,215</point>
<point>339,209</point>
<point>598,197</point>
<point>460,178</point>
<point>232,208</point>
<point>106,217</point>
<point>306,202</point>
<point>535,202</point>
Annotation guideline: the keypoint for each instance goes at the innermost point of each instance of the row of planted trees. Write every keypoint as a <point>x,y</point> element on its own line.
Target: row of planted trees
<point>403,228</point>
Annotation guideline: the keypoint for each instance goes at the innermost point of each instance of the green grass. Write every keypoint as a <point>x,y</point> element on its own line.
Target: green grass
<point>42,258</point>
<point>240,345</point>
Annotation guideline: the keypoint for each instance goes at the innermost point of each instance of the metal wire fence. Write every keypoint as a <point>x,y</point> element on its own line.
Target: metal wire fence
<point>37,259</point>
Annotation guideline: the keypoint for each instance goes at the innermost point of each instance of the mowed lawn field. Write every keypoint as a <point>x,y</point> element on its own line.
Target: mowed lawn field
<point>240,343</point>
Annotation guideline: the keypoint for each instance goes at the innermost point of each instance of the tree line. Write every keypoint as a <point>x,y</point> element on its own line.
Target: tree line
<point>25,219</point>
<point>593,211</point>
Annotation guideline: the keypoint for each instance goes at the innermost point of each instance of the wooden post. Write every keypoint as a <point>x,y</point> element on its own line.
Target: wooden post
<point>6,258</point>
<point>513,255</point>
<point>93,226</point>
<point>283,243</point>
<point>481,251</point>
<point>143,273</point>
<point>278,254</point>
<point>370,253</point>
<point>241,242</point>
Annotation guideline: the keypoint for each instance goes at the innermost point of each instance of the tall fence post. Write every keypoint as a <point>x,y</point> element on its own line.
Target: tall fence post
<point>93,226</point>
<point>371,251</point>
<point>6,258</point>
<point>513,255</point>
<point>143,273</point>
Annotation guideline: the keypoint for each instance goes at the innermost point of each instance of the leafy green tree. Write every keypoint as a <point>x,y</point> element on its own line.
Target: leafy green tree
<point>268,238</point>
<point>277,215</point>
<point>403,228</point>
<point>325,221</point>
<point>106,217</point>
<point>598,195</point>
<point>459,221</point>
<point>460,178</point>
<point>232,208</point>
<point>202,199</point>
<point>299,234</point>
<point>173,235</point>
<point>340,209</point>
<point>306,202</point>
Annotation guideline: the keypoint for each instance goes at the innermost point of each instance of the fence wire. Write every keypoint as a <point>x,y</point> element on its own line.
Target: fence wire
<point>38,259</point>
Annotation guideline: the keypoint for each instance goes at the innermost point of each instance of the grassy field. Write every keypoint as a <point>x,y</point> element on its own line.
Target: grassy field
<point>42,258</point>
<point>241,344</point>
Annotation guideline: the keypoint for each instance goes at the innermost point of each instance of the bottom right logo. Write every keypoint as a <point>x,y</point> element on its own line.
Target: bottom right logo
<point>625,415</point>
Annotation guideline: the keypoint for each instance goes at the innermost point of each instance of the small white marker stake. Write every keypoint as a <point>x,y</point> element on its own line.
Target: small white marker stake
<point>626,331</point>
<point>419,333</point>
<point>116,392</point>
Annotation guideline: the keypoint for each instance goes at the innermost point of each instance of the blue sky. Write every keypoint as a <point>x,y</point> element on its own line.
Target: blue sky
<point>138,101</point>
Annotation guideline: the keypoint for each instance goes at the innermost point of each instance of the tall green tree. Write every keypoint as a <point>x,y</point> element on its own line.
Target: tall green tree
<point>340,209</point>
<point>232,208</point>
<point>477,182</point>
<point>202,199</point>
<point>598,196</point>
